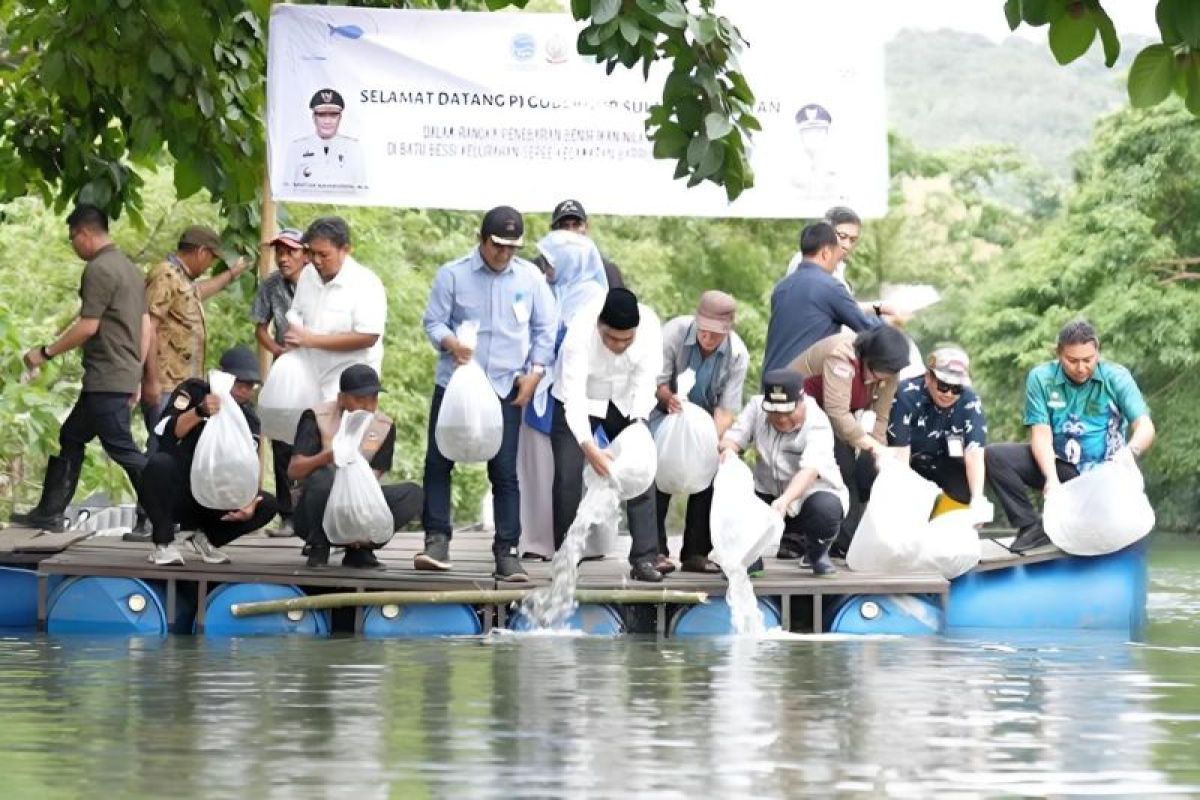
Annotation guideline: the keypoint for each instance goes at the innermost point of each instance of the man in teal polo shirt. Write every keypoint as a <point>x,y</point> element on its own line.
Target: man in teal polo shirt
<point>1077,409</point>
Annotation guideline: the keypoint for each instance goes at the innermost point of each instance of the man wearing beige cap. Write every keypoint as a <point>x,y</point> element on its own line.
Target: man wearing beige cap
<point>938,427</point>
<point>174,303</point>
<point>707,346</point>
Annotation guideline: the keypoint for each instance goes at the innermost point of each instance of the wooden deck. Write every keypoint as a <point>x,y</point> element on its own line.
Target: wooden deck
<point>258,558</point>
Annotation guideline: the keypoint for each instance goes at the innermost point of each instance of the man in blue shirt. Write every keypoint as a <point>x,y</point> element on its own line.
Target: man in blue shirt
<point>515,310</point>
<point>1077,409</point>
<point>810,304</point>
<point>938,427</point>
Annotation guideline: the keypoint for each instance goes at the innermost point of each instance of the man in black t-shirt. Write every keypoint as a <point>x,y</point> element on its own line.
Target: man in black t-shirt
<point>166,481</point>
<point>312,466</point>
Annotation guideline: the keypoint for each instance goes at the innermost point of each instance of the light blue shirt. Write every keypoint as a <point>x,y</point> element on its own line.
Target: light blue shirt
<point>514,308</point>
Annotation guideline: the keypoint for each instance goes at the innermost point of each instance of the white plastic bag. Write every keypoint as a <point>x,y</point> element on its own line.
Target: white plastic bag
<point>888,538</point>
<point>356,512</point>
<point>1101,511</point>
<point>225,465</point>
<point>290,390</point>
<point>949,545</point>
<point>743,526</point>
<point>470,424</point>
<point>634,461</point>
<point>687,451</point>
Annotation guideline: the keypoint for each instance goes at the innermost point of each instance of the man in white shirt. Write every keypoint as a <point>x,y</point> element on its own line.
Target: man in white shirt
<point>606,376</point>
<point>342,305</point>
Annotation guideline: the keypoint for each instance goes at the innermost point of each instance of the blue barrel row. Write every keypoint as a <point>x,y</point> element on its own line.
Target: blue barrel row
<point>1105,593</point>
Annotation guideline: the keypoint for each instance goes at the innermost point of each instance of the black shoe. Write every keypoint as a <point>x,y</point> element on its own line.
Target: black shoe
<point>360,558</point>
<point>818,559</point>
<point>756,569</point>
<point>436,555</point>
<point>31,519</point>
<point>787,552</point>
<point>318,556</point>
<point>645,571</point>
<point>1029,537</point>
<point>58,487</point>
<point>140,531</point>
<point>508,567</point>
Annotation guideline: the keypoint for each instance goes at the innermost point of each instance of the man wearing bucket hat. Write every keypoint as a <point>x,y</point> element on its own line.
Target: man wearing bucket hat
<point>166,484</point>
<point>312,466</point>
<point>326,159</point>
<point>796,473</point>
<point>515,309</point>
<point>707,346</point>
<point>271,304</point>
<point>174,301</point>
<point>938,427</point>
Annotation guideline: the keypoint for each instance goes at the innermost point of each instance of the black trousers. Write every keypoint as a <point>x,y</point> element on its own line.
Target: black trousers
<point>816,525</point>
<point>281,454</point>
<point>168,501</point>
<point>950,475</point>
<point>404,501</point>
<point>858,473</point>
<point>567,489</point>
<point>1012,472</point>
<point>697,531</point>
<point>104,415</point>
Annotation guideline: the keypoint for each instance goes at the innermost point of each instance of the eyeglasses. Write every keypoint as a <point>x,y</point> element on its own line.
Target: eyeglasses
<point>950,388</point>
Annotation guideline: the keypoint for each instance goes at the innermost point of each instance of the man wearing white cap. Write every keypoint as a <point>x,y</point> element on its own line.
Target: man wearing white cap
<point>707,346</point>
<point>937,425</point>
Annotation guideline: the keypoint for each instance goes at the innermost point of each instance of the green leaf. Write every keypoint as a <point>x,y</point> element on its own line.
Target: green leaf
<point>1012,13</point>
<point>187,179</point>
<point>1040,12</point>
<point>1187,21</point>
<point>160,63</point>
<point>1071,36</point>
<point>630,30</point>
<point>716,125</point>
<point>670,141</point>
<point>1151,76</point>
<point>1165,16</point>
<point>1108,35</point>
<point>581,8</point>
<point>696,150</point>
<point>604,10</point>
<point>1193,85</point>
<point>710,162</point>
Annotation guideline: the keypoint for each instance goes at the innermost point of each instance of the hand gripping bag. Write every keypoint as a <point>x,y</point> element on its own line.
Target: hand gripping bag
<point>743,526</point>
<point>291,388</point>
<point>687,451</point>
<point>1101,511</point>
<point>356,512</point>
<point>888,538</point>
<point>225,466</point>
<point>470,425</point>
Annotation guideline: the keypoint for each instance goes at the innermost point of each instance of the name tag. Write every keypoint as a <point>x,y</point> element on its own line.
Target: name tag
<point>954,444</point>
<point>521,311</point>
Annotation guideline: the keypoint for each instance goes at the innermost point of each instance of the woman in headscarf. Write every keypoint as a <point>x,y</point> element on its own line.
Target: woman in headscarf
<point>575,271</point>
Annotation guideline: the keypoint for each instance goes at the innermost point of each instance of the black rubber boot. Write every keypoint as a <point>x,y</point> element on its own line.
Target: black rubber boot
<point>57,490</point>
<point>818,556</point>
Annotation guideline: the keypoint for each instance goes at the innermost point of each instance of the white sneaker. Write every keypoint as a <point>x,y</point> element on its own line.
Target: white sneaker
<point>209,553</point>
<point>166,555</point>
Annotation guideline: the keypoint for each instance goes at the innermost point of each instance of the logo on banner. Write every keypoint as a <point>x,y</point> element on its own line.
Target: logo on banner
<point>558,50</point>
<point>523,47</point>
<point>345,31</point>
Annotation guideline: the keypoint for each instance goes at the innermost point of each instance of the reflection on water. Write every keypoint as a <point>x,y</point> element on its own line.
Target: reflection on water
<point>539,716</point>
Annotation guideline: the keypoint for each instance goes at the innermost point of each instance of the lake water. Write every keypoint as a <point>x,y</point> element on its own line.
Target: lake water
<point>552,716</point>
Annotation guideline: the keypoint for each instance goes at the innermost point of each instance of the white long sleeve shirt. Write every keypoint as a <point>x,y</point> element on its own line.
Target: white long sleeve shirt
<point>587,375</point>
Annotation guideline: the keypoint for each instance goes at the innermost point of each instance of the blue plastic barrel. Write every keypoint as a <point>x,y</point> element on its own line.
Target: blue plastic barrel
<point>421,621</point>
<point>596,619</point>
<point>895,615</point>
<point>18,598</point>
<point>1072,592</point>
<point>220,621</point>
<point>109,606</point>
<point>713,618</point>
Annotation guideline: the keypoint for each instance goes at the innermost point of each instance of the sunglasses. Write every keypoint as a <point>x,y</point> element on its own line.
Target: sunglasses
<point>942,386</point>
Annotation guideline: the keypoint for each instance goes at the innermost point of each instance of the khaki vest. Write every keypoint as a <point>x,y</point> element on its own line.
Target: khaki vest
<point>329,417</point>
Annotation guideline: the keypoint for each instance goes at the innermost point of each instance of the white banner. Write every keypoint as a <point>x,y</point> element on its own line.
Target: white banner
<point>457,110</point>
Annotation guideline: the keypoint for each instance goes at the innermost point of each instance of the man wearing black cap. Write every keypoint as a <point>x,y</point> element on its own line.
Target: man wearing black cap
<point>178,335</point>
<point>313,468</point>
<point>327,160</point>
<point>517,319</point>
<point>166,482</point>
<point>570,216</point>
<point>606,375</point>
<point>795,472</point>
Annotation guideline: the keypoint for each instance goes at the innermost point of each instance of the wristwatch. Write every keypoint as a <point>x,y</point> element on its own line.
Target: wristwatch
<point>46,353</point>
<point>537,369</point>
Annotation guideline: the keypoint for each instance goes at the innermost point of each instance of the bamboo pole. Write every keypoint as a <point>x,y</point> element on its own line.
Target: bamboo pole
<point>266,263</point>
<point>469,597</point>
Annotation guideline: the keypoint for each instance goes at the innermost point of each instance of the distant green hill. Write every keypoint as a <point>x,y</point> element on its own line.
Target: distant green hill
<point>949,89</point>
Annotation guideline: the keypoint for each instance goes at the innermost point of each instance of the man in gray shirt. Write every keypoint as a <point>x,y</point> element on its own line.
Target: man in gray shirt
<point>109,331</point>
